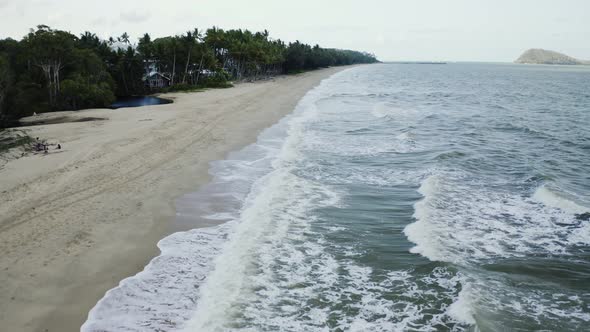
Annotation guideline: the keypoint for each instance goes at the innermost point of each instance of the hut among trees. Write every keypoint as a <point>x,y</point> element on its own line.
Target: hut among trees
<point>53,70</point>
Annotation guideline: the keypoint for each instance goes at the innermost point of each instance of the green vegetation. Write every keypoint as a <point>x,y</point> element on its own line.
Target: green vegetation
<point>13,139</point>
<point>53,70</point>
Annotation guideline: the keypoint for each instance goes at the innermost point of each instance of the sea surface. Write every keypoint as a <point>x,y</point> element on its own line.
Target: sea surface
<point>396,197</point>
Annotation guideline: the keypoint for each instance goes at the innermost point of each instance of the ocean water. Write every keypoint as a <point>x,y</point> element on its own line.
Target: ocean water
<point>394,198</point>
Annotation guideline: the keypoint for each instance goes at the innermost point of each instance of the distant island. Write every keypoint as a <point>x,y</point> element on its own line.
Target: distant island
<point>546,57</point>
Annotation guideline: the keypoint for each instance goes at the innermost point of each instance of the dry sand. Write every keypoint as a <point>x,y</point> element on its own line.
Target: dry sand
<point>75,222</point>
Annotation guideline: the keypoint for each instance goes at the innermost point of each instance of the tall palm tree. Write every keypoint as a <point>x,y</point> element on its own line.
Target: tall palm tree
<point>191,38</point>
<point>174,46</point>
<point>125,38</point>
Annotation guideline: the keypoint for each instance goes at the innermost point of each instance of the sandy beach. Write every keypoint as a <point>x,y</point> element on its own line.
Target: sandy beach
<point>76,221</point>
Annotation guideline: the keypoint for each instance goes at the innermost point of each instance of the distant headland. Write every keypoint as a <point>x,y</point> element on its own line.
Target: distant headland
<point>546,57</point>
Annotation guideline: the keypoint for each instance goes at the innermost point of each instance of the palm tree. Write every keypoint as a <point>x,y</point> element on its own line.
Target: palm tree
<point>190,39</point>
<point>174,45</point>
<point>124,38</point>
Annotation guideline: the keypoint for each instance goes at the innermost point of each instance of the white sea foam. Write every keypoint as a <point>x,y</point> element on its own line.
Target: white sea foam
<point>165,295</point>
<point>162,296</point>
<point>498,299</point>
<point>283,263</point>
<point>277,203</point>
<point>466,222</point>
<point>374,176</point>
<point>421,232</point>
<point>462,308</point>
<point>381,110</point>
<point>552,199</point>
<point>277,272</point>
<point>388,110</point>
<point>581,235</point>
<point>360,145</point>
<point>460,221</point>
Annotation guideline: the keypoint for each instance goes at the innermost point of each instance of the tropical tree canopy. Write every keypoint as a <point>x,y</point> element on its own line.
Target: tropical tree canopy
<point>52,70</point>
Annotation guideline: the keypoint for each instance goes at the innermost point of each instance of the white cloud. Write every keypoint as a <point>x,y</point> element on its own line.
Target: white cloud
<point>135,16</point>
<point>454,30</point>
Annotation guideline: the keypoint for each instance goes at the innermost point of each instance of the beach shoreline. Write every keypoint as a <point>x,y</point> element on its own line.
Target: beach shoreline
<point>77,221</point>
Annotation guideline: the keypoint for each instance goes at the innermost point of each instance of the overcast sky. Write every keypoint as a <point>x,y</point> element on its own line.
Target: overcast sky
<point>449,30</point>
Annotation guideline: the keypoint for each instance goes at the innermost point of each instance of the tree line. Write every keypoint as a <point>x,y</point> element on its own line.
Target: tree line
<point>52,70</point>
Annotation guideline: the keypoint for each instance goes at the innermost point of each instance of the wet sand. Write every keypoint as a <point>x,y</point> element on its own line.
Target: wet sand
<point>76,221</point>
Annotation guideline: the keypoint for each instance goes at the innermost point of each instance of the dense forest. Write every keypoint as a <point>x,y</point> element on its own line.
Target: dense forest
<point>52,70</point>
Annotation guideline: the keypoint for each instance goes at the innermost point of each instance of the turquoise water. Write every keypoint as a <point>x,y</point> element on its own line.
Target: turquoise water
<point>395,198</point>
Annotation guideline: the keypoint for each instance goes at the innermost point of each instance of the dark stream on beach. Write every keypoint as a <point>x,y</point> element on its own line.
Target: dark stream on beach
<point>138,101</point>
<point>395,198</point>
